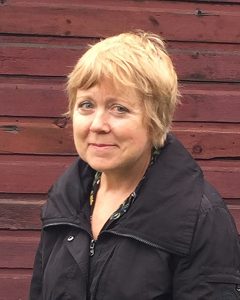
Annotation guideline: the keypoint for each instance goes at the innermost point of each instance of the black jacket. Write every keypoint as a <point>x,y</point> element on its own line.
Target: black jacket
<point>176,242</point>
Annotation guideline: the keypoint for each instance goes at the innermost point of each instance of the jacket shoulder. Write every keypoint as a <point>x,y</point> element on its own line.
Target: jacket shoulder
<point>211,199</point>
<point>215,218</point>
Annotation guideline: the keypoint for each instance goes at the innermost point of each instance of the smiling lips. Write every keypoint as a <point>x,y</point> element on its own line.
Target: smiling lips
<point>101,145</point>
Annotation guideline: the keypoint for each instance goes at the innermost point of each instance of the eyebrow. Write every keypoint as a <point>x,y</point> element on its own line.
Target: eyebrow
<point>109,99</point>
<point>84,96</point>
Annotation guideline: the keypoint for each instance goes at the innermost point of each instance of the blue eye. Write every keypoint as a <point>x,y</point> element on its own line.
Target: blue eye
<point>85,105</point>
<point>120,109</point>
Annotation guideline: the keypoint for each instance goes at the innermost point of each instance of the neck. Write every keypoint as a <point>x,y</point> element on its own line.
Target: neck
<point>122,180</point>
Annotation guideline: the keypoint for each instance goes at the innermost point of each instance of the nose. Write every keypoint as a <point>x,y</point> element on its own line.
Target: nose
<point>100,122</point>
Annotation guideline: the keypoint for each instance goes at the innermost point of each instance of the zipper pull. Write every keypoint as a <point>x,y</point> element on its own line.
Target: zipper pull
<point>92,247</point>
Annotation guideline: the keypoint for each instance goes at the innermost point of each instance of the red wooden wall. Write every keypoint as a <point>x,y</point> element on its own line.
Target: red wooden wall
<point>41,40</point>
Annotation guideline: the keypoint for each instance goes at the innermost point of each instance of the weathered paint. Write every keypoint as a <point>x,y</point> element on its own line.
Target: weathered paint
<point>193,61</point>
<point>195,21</point>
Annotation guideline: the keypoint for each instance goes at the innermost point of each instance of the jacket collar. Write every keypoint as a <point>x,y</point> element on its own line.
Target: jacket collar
<point>164,213</point>
<point>68,198</point>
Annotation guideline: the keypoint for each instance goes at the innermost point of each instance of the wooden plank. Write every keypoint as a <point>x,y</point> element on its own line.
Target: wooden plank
<point>46,97</point>
<point>224,175</point>
<point>41,41</point>
<point>177,4</point>
<point>206,141</point>
<point>193,61</point>
<point>235,211</point>
<point>219,1</point>
<point>202,22</point>
<point>17,249</point>
<point>30,174</point>
<point>206,62</point>
<point>20,214</point>
<point>204,102</point>
<point>32,97</point>
<point>14,284</point>
<point>42,136</point>
<point>234,202</point>
<point>54,137</point>
<point>37,60</point>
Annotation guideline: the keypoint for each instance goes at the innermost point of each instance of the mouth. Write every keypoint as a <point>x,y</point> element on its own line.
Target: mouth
<point>96,145</point>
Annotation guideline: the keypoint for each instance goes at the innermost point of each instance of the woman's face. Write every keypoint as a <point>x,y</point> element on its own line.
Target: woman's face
<point>108,128</point>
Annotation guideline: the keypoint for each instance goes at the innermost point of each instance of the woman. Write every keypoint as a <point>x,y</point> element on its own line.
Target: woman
<point>133,217</point>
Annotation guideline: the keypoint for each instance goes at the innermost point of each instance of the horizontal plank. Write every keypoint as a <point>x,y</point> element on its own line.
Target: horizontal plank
<point>193,61</point>
<point>234,202</point>
<point>202,22</point>
<point>206,140</point>
<point>206,62</point>
<point>37,60</point>
<point>14,242</point>
<point>220,1</point>
<point>32,97</point>
<point>235,211</point>
<point>42,136</point>
<point>204,102</point>
<point>31,174</point>
<point>14,284</point>
<point>46,97</point>
<point>224,175</point>
<point>178,4</point>
<point>16,214</point>
<point>40,56</point>
<point>54,137</point>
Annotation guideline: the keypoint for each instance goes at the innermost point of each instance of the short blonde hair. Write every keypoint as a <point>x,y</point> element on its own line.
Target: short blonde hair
<point>136,60</point>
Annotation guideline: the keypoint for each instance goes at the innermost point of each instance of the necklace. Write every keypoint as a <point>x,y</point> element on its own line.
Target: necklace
<point>123,208</point>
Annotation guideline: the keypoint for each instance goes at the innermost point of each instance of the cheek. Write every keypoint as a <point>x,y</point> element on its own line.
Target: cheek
<point>132,129</point>
<point>75,128</point>
<point>78,136</point>
<point>80,126</point>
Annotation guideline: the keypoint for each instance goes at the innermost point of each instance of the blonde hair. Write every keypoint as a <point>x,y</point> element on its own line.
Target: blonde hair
<point>136,60</point>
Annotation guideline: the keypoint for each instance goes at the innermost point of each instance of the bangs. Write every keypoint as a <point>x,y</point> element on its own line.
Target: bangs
<point>119,72</point>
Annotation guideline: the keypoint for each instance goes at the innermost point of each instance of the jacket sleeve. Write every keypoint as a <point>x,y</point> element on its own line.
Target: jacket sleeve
<point>36,282</point>
<point>212,270</point>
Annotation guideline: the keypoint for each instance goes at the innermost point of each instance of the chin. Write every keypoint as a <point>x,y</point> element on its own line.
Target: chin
<point>100,167</point>
<point>104,167</point>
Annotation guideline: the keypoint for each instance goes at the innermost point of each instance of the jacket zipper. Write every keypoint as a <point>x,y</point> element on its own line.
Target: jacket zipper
<point>64,223</point>
<point>92,247</point>
<point>100,275</point>
<point>134,237</point>
<point>146,242</point>
<point>93,241</point>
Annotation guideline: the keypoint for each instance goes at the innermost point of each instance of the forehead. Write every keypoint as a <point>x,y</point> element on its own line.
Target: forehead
<point>108,89</point>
